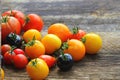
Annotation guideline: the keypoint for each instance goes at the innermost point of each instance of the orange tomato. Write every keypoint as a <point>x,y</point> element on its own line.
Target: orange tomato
<point>93,43</point>
<point>2,74</point>
<point>28,35</point>
<point>51,43</point>
<point>35,49</point>
<point>37,69</point>
<point>61,30</point>
<point>76,48</point>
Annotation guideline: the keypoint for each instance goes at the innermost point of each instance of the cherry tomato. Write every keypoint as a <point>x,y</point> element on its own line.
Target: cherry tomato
<point>14,39</point>
<point>33,21</point>
<point>8,25</point>
<point>18,51</point>
<point>77,33</point>
<point>8,57</point>
<point>5,48</point>
<point>20,61</point>
<point>49,60</point>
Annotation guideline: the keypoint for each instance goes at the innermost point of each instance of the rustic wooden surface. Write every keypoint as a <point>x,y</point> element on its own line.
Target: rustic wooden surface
<point>99,16</point>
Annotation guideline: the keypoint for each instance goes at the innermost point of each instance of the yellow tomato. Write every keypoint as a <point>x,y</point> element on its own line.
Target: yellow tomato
<point>76,48</point>
<point>93,43</point>
<point>51,43</point>
<point>29,34</point>
<point>2,74</point>
<point>37,69</point>
<point>35,49</point>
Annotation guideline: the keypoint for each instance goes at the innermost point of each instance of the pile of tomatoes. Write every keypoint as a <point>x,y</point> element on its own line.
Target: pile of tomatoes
<point>24,47</point>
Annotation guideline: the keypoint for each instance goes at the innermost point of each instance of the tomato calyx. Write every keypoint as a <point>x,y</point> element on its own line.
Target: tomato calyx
<point>75,30</point>
<point>31,42</point>
<point>61,51</point>
<point>83,39</point>
<point>27,19</point>
<point>5,19</point>
<point>34,63</point>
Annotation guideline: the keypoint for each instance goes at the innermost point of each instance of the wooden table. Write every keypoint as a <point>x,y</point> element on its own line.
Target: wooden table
<point>99,16</point>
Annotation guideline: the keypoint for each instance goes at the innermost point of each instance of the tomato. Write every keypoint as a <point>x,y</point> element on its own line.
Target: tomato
<point>2,74</point>
<point>8,25</point>
<point>61,30</point>
<point>93,43</point>
<point>49,60</point>
<point>20,61</point>
<point>37,69</point>
<point>17,14</point>
<point>34,49</point>
<point>33,21</point>
<point>51,43</point>
<point>5,48</point>
<point>78,35</point>
<point>76,49</point>
<point>8,57</point>
<point>18,51</point>
<point>29,34</point>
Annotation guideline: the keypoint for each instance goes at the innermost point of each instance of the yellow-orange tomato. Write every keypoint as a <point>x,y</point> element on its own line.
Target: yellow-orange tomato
<point>93,43</point>
<point>51,43</point>
<point>61,30</point>
<point>29,34</point>
<point>76,48</point>
<point>35,50</point>
<point>2,74</point>
<point>37,69</point>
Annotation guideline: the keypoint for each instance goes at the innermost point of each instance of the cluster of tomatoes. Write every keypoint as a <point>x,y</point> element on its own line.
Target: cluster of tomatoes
<point>24,47</point>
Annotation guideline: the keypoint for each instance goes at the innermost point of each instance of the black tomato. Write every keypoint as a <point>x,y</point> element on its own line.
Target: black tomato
<point>14,40</point>
<point>65,62</point>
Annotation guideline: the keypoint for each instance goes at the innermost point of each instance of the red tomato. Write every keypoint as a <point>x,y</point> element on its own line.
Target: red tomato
<point>8,25</point>
<point>5,48</point>
<point>8,57</point>
<point>17,14</point>
<point>78,35</point>
<point>33,21</point>
<point>48,59</point>
<point>20,61</point>
<point>18,51</point>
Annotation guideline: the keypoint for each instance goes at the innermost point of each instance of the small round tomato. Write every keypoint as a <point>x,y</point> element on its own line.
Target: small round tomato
<point>51,43</point>
<point>37,69</point>
<point>8,25</point>
<point>29,34</point>
<point>76,49</point>
<point>77,33</point>
<point>93,43</point>
<point>17,14</point>
<point>5,48</point>
<point>50,60</point>
<point>34,49</point>
<point>8,57</point>
<point>18,51</point>
<point>33,21</point>
<point>20,61</point>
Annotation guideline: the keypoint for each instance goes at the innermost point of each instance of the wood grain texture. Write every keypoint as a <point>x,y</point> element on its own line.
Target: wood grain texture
<point>99,16</point>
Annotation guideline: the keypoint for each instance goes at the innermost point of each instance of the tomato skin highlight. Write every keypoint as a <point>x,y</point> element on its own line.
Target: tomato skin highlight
<point>34,22</point>
<point>20,61</point>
